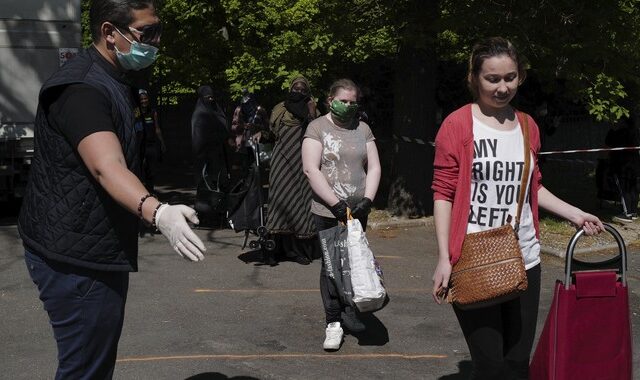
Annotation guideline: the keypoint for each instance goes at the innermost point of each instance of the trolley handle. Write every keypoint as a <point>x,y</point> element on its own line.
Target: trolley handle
<point>206,183</point>
<point>618,262</point>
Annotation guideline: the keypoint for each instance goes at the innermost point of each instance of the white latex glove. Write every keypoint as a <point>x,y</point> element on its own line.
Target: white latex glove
<point>172,222</point>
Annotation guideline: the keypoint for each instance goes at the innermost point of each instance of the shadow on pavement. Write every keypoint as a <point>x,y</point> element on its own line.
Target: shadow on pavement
<point>464,372</point>
<point>376,334</point>
<point>258,257</point>
<point>218,376</point>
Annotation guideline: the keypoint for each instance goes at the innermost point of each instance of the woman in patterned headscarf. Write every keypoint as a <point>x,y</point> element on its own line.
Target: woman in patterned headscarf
<point>289,218</point>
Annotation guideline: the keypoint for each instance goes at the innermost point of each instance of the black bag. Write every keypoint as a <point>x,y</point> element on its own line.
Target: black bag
<point>213,198</point>
<point>244,202</point>
<point>333,242</point>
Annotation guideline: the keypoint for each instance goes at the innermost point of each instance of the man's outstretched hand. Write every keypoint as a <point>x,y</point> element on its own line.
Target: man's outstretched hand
<point>172,223</point>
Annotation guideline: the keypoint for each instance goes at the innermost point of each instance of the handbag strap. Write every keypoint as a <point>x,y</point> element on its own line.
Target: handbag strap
<point>524,127</point>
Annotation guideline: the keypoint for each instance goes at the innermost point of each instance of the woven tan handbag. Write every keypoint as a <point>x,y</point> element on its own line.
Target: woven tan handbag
<point>491,268</point>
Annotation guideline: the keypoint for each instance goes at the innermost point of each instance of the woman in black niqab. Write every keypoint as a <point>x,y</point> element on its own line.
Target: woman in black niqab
<point>208,133</point>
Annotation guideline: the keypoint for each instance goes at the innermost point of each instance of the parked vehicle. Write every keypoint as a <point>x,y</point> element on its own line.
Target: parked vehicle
<point>36,38</point>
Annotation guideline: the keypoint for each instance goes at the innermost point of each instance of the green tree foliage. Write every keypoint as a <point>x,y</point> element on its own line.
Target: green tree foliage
<point>84,21</point>
<point>194,50</point>
<point>408,53</point>
<point>260,44</point>
<point>586,50</point>
<point>273,41</point>
<point>194,47</point>
<point>602,98</point>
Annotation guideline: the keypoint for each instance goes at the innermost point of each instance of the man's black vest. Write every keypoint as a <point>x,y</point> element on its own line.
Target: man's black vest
<point>66,215</point>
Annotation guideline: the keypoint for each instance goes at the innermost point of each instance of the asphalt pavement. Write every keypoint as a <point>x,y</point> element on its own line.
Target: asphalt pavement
<point>232,317</point>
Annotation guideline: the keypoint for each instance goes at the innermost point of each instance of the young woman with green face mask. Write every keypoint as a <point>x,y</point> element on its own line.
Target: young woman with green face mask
<point>344,110</point>
<point>340,160</point>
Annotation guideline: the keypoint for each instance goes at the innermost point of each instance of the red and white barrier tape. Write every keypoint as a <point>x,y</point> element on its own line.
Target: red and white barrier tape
<point>589,150</point>
<point>414,140</point>
<point>571,160</point>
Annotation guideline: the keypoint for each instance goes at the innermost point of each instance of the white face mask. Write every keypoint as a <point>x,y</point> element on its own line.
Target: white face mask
<point>139,56</point>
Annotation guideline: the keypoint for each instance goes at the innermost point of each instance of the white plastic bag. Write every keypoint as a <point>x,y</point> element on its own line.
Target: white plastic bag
<point>369,293</point>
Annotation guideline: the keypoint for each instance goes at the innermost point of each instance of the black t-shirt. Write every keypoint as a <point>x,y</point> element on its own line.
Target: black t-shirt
<point>79,111</point>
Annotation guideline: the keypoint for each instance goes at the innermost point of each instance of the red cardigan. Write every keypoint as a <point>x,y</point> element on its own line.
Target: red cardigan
<point>452,172</point>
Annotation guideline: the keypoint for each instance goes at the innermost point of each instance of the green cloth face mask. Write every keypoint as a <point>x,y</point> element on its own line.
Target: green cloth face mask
<point>342,112</point>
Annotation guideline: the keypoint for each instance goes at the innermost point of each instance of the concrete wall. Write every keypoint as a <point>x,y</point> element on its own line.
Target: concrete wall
<point>31,35</point>
<point>47,10</point>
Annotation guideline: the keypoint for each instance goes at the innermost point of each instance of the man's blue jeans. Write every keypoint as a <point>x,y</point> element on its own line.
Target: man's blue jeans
<point>86,311</point>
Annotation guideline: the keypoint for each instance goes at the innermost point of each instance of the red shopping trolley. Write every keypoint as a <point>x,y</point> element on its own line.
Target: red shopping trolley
<point>587,334</point>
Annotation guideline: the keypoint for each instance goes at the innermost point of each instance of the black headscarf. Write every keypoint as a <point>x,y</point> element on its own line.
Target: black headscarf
<point>208,123</point>
<point>296,102</point>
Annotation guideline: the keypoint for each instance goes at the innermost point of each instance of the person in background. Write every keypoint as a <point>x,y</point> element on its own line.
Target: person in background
<point>208,133</point>
<point>152,146</point>
<point>289,218</point>
<point>488,134</point>
<point>340,160</point>
<point>625,166</point>
<point>80,213</point>
<point>249,128</point>
<point>249,122</point>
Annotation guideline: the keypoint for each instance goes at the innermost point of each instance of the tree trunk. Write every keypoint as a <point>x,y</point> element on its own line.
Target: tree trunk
<point>414,117</point>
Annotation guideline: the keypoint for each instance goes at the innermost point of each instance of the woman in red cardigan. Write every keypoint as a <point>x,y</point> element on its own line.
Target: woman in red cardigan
<point>479,162</point>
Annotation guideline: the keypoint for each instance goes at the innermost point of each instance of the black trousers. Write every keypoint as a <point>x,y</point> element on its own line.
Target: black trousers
<point>151,154</point>
<point>500,337</point>
<point>86,311</point>
<point>288,246</point>
<point>333,307</point>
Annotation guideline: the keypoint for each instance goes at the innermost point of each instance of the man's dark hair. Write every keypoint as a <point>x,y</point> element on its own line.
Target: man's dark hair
<point>117,12</point>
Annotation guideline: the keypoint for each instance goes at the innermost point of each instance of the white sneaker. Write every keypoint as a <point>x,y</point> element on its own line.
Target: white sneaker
<point>333,336</point>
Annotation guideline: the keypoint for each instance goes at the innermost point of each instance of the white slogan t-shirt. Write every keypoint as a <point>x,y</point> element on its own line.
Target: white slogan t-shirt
<point>498,166</point>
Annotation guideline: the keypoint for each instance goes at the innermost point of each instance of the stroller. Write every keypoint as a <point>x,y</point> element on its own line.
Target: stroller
<point>240,203</point>
<point>250,214</point>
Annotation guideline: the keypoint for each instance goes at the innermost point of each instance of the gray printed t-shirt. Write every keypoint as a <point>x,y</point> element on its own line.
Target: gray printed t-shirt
<point>344,159</point>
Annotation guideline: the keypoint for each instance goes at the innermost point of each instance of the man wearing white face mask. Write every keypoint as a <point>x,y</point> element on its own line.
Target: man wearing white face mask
<point>79,218</point>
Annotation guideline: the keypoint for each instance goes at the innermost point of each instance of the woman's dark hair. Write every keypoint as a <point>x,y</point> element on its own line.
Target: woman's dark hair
<point>346,84</point>
<point>492,47</point>
<point>117,12</point>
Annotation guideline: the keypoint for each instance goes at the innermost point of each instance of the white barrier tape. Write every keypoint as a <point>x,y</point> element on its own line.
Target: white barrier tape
<point>589,150</point>
<point>586,162</point>
<point>413,140</point>
<point>432,143</point>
